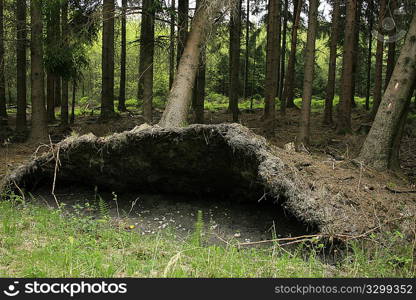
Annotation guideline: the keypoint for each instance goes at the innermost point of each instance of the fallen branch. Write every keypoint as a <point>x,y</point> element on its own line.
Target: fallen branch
<point>400,191</point>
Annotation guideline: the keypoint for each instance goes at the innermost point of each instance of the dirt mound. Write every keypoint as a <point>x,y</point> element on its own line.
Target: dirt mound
<point>225,160</point>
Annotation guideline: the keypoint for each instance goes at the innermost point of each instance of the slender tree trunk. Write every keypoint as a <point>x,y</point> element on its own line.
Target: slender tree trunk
<point>247,52</point>
<point>288,92</point>
<point>183,8</point>
<point>200,90</point>
<point>122,92</point>
<point>344,111</point>
<point>330,88</point>
<point>304,130</point>
<point>57,36</point>
<point>107,92</point>
<point>65,87</point>
<point>272,64</point>
<point>283,57</point>
<point>172,44</point>
<point>74,93</point>
<point>234,54</point>
<point>3,111</point>
<point>370,18</point>
<point>379,62</point>
<point>378,150</point>
<point>21,89</point>
<point>147,46</point>
<point>391,58</point>
<point>39,132</point>
<point>177,108</point>
<point>356,56</point>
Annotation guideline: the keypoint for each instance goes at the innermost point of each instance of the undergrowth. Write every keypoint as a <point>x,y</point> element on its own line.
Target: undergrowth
<point>37,241</point>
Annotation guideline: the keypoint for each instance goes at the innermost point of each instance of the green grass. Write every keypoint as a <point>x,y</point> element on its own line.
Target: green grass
<point>36,241</point>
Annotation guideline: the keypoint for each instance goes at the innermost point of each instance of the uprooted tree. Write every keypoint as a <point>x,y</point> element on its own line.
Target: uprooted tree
<point>180,96</point>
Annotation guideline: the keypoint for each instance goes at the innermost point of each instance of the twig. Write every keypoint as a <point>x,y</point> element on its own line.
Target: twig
<point>400,191</point>
<point>57,165</point>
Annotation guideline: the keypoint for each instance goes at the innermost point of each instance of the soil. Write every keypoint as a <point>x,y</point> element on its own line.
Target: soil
<point>373,198</point>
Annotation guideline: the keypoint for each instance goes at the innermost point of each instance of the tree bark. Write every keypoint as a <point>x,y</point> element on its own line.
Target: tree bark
<point>330,88</point>
<point>272,65</point>
<point>378,150</point>
<point>177,108</point>
<point>247,51</point>
<point>379,63</point>
<point>107,92</point>
<point>304,130</point>
<point>65,85</point>
<point>74,93</point>
<point>147,46</point>
<point>370,18</point>
<point>172,44</point>
<point>356,56</point>
<point>344,111</point>
<point>234,55</point>
<point>391,54</point>
<point>122,91</point>
<point>39,132</point>
<point>200,90</point>
<point>183,8</point>
<point>288,92</point>
<point>21,66</point>
<point>3,111</point>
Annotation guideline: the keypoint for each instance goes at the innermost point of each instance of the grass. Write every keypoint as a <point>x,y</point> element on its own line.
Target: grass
<point>36,241</point>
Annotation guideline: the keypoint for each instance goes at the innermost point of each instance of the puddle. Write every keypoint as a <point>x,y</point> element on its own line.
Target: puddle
<point>150,214</point>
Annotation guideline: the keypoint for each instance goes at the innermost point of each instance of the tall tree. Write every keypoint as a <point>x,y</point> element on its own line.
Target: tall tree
<point>39,132</point>
<point>379,61</point>
<point>3,111</point>
<point>21,65</point>
<point>122,91</point>
<point>147,48</point>
<point>356,56</point>
<point>304,130</point>
<point>370,20</point>
<point>344,111</point>
<point>65,85</point>
<point>380,147</point>
<point>330,88</point>
<point>283,54</point>
<point>199,90</point>
<point>247,51</point>
<point>391,52</point>
<point>177,108</point>
<point>172,43</point>
<point>234,54</point>
<point>107,90</point>
<point>272,64</point>
<point>288,92</point>
<point>183,9</point>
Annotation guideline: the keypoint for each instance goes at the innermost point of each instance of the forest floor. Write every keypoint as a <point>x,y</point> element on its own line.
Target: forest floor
<point>383,197</point>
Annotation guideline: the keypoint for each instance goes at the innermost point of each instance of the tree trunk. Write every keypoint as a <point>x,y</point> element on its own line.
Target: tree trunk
<point>107,92</point>
<point>370,18</point>
<point>147,46</point>
<point>247,52</point>
<point>234,55</point>
<point>65,87</point>
<point>74,93</point>
<point>183,8</point>
<point>177,107</point>
<point>330,88</point>
<point>39,132</point>
<point>378,151</point>
<point>122,92</point>
<point>200,90</point>
<point>283,57</point>
<point>172,44</point>
<point>391,58</point>
<point>304,130</point>
<point>272,65</point>
<point>379,62</point>
<point>356,56</point>
<point>288,92</point>
<point>21,89</point>
<point>344,111</point>
<point>3,111</point>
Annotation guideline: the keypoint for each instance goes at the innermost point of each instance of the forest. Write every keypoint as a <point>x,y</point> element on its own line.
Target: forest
<point>196,138</point>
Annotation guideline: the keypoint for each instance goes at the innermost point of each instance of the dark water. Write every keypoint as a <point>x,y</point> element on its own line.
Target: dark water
<point>149,214</point>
